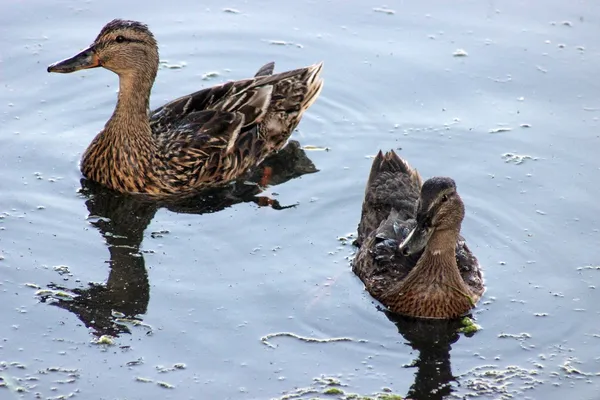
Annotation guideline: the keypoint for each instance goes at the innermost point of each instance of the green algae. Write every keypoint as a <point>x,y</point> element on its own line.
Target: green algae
<point>327,388</point>
<point>469,327</point>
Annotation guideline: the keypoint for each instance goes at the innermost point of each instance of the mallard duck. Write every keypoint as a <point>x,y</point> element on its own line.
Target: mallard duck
<point>411,256</point>
<point>204,139</point>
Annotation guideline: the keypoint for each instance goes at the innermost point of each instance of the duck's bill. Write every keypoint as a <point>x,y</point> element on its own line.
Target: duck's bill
<point>415,241</point>
<point>86,59</point>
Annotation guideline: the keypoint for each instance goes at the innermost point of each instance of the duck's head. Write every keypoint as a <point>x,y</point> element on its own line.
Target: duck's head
<point>440,208</point>
<point>121,46</point>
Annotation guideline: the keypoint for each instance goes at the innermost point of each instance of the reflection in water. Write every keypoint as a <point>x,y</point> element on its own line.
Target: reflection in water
<point>122,220</point>
<point>433,340</point>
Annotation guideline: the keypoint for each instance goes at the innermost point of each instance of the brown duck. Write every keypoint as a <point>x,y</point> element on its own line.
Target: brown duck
<point>201,140</point>
<point>411,255</point>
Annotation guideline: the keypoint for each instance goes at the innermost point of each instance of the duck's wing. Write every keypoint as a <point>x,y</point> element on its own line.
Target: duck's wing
<point>392,184</point>
<point>180,112</point>
<point>286,96</point>
<point>211,146</point>
<point>469,268</point>
<point>378,263</point>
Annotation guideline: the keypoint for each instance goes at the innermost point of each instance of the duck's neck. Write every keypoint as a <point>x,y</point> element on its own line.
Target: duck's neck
<point>434,288</point>
<point>121,156</point>
<point>131,112</point>
<point>438,262</point>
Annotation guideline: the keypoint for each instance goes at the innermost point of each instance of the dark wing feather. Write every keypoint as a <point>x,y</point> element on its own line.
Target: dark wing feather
<point>195,147</point>
<point>210,135</point>
<point>266,69</point>
<point>469,267</point>
<point>170,115</point>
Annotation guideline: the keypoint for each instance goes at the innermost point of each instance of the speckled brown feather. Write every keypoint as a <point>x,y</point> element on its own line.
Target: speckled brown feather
<point>388,213</point>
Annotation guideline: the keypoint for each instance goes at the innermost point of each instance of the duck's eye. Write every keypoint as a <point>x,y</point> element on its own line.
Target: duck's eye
<point>120,39</point>
<point>445,198</point>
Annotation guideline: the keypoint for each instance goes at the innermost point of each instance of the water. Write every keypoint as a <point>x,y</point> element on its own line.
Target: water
<point>208,286</point>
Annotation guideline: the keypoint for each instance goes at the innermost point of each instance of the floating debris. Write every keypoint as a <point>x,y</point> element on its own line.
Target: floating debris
<point>178,366</point>
<point>384,10</point>
<point>570,370</point>
<point>134,322</point>
<point>210,75</point>
<point>468,326</point>
<point>143,380</point>
<point>500,80</point>
<point>165,385</point>
<point>460,53</point>
<point>231,11</point>
<point>596,267</point>
<point>541,69</point>
<point>517,158</point>
<point>519,336</point>
<point>309,147</point>
<point>500,129</point>
<point>502,384</point>
<point>333,391</point>
<point>333,388</point>
<point>279,43</point>
<point>284,43</point>
<point>32,285</point>
<point>31,383</point>
<point>159,234</point>
<point>346,238</point>
<point>133,363</point>
<point>166,64</point>
<point>61,269</point>
<point>104,340</point>
<point>56,294</point>
<point>265,339</point>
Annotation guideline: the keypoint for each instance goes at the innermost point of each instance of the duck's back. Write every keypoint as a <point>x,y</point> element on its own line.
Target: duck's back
<point>392,185</point>
<point>387,217</point>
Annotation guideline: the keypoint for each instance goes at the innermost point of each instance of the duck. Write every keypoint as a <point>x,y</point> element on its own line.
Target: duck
<point>204,139</point>
<point>411,256</point>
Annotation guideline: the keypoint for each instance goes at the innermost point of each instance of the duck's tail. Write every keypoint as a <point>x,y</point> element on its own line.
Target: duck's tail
<point>314,84</point>
<point>293,92</point>
<point>391,163</point>
<point>392,185</point>
<point>266,70</point>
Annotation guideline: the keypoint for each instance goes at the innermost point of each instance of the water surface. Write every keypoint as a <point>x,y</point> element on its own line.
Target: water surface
<point>207,283</point>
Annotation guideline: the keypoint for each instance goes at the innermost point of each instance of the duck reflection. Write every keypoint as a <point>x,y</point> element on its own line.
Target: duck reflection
<point>433,340</point>
<point>108,309</point>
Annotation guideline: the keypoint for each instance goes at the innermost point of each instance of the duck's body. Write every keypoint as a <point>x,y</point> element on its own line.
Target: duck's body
<point>411,255</point>
<point>202,140</point>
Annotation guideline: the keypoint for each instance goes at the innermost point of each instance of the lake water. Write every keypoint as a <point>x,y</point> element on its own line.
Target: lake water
<point>514,122</point>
